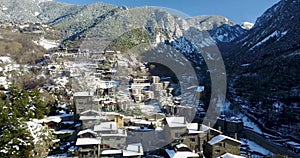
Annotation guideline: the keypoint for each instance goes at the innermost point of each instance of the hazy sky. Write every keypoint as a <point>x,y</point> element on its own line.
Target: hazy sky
<point>236,10</point>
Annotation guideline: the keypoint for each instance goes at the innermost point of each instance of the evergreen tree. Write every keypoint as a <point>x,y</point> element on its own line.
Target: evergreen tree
<point>17,108</point>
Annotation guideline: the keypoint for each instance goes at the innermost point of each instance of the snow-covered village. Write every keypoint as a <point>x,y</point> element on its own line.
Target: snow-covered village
<point>62,97</point>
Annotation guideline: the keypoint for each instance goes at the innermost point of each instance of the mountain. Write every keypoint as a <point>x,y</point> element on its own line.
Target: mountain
<point>269,47</point>
<point>264,62</point>
<point>220,28</point>
<point>34,11</point>
<point>75,20</point>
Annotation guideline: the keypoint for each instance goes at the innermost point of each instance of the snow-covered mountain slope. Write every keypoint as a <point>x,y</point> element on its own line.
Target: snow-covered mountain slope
<point>275,31</point>
<point>266,56</point>
<point>247,25</point>
<point>220,28</point>
<point>41,11</point>
<point>226,33</point>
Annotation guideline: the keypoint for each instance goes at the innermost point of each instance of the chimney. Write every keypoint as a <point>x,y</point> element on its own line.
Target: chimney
<point>235,136</point>
<point>199,127</point>
<point>110,126</point>
<point>220,129</point>
<point>209,124</point>
<point>139,149</point>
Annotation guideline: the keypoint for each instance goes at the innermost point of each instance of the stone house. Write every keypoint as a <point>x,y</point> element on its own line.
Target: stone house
<point>220,145</point>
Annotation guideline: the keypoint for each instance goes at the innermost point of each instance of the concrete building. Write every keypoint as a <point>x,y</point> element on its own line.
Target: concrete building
<point>111,136</point>
<point>84,101</point>
<point>175,128</point>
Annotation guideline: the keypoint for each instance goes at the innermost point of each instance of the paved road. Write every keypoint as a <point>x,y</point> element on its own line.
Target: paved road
<point>274,148</point>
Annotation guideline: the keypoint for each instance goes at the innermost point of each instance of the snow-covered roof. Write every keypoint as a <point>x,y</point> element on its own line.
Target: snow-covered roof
<point>228,155</point>
<point>142,122</point>
<point>87,131</point>
<point>64,131</point>
<point>133,150</point>
<point>220,138</point>
<point>206,128</point>
<point>181,146</point>
<point>87,141</point>
<point>106,126</point>
<point>176,121</point>
<point>56,119</point>
<point>90,110</point>
<point>63,115</point>
<point>180,154</point>
<point>193,128</point>
<point>111,152</point>
<point>91,118</point>
<point>83,94</point>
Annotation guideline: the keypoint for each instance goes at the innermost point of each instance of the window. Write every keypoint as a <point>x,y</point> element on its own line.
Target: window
<point>217,151</point>
<point>192,139</point>
<point>219,144</point>
<point>177,135</point>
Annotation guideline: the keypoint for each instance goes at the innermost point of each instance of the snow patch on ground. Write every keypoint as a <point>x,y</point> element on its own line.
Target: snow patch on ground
<point>47,44</point>
<point>247,25</point>
<point>41,1</point>
<point>36,13</point>
<point>249,123</point>
<point>5,59</point>
<point>4,8</point>
<point>277,34</point>
<point>292,54</point>
<point>36,130</point>
<point>255,147</point>
<point>244,65</point>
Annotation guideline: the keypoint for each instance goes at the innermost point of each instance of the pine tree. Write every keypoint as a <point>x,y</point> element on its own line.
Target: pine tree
<point>41,108</point>
<point>19,107</point>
